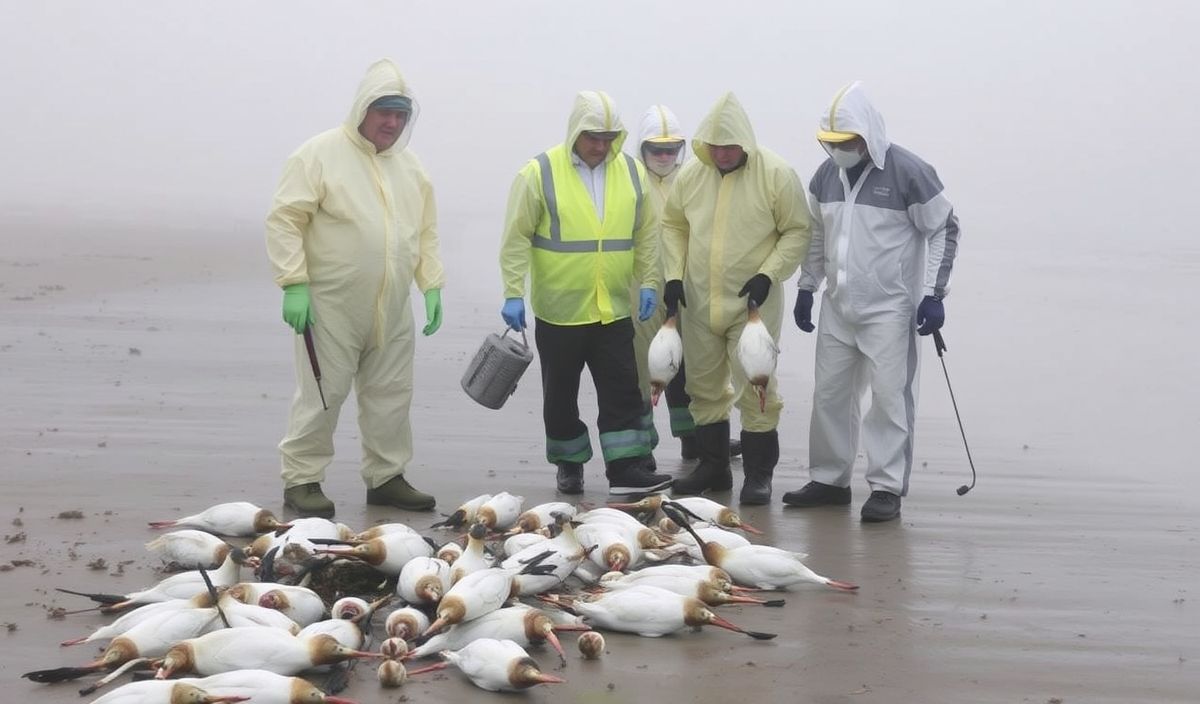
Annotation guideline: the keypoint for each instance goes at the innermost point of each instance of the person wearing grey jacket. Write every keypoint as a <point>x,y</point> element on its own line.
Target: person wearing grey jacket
<point>884,238</point>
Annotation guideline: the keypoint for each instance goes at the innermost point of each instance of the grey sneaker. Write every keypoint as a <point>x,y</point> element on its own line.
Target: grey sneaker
<point>881,506</point>
<point>308,500</point>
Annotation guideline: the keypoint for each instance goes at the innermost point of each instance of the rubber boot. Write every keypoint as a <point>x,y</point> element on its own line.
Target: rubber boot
<point>399,493</point>
<point>688,447</point>
<point>712,474</point>
<point>760,454</point>
<point>308,500</point>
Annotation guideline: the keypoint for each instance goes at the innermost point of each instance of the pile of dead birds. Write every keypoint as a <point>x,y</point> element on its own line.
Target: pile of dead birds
<point>514,579</point>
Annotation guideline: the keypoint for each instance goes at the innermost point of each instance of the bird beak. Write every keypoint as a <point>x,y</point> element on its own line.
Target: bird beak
<point>543,678</point>
<point>329,699</point>
<point>227,698</point>
<point>553,640</point>
<point>718,621</point>
<point>749,528</point>
<point>762,398</point>
<point>655,392</point>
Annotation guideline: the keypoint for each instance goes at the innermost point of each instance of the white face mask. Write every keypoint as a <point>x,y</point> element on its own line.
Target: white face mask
<point>660,168</point>
<point>845,158</point>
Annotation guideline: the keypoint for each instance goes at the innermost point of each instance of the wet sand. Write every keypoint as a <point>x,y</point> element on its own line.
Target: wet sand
<point>145,374</point>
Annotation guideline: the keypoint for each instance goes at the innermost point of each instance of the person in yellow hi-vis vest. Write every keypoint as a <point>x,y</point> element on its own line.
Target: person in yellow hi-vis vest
<point>735,226</point>
<point>579,228</point>
<point>353,225</point>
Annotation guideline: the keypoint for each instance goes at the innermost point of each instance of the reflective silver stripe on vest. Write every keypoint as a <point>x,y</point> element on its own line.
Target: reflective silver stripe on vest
<point>555,243</point>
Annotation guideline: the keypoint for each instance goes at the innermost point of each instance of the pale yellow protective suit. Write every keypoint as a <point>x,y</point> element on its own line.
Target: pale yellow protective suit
<point>358,226</point>
<point>718,232</point>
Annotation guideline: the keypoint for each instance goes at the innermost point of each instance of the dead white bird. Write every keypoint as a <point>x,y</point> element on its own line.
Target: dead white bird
<point>665,356</point>
<point>263,687</point>
<point>494,665</point>
<point>255,648</point>
<point>302,605</point>
<point>758,353</point>
<point>184,585</point>
<point>501,511</point>
<point>524,625</point>
<point>237,518</point>
<point>381,529</point>
<point>450,552</point>
<point>475,557</point>
<point>190,548</point>
<point>543,515</point>
<point>388,553</point>
<point>406,623</point>
<point>464,515</point>
<point>165,692</point>
<point>423,581</point>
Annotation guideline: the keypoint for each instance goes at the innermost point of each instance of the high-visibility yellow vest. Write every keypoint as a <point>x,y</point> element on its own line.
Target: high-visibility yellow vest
<point>582,266</point>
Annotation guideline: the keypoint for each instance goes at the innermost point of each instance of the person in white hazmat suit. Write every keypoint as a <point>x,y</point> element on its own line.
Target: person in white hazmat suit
<point>353,224</point>
<point>735,225</point>
<point>884,242</point>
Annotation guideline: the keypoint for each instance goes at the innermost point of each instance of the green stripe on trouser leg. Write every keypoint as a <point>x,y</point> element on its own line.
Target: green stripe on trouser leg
<point>577,450</point>
<point>621,444</point>
<point>682,422</point>
<point>648,424</point>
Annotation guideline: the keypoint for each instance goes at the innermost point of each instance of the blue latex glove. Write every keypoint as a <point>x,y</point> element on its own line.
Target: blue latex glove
<point>647,302</point>
<point>803,310</point>
<point>931,316</point>
<point>513,313</point>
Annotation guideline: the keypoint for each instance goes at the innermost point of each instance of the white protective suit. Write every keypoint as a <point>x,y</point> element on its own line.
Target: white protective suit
<point>358,226</point>
<point>880,244</point>
<point>658,123</point>
<point>718,231</point>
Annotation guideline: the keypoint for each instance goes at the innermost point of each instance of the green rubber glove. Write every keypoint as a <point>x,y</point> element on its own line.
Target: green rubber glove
<point>297,307</point>
<point>433,311</point>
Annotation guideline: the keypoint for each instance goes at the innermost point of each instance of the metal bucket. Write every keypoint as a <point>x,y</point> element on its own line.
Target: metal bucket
<point>493,374</point>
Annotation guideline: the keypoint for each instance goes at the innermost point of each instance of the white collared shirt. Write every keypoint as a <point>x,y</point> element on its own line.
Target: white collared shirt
<point>593,181</point>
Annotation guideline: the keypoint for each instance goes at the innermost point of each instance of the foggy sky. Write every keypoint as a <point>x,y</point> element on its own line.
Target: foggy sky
<point>1064,132</point>
<point>1046,120</point>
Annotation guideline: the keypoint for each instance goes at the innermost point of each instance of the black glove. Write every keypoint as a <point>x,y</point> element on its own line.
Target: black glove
<point>803,310</point>
<point>931,315</point>
<point>758,287</point>
<point>673,296</point>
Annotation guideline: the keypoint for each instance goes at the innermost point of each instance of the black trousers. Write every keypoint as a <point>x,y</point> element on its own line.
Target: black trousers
<point>607,351</point>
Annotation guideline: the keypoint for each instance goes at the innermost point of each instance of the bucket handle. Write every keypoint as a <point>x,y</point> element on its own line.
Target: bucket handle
<point>524,340</point>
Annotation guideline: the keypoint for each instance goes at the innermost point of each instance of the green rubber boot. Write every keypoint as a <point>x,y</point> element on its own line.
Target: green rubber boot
<point>399,493</point>
<point>308,500</point>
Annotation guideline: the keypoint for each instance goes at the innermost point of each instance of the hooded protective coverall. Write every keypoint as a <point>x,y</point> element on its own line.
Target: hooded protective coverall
<point>881,243</point>
<point>660,125</point>
<point>718,232</point>
<point>358,227</point>
<point>581,265</point>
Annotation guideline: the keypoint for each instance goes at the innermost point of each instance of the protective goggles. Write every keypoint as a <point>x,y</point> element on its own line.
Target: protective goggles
<point>663,149</point>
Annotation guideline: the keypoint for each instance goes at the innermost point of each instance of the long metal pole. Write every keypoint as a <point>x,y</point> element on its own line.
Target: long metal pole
<point>940,345</point>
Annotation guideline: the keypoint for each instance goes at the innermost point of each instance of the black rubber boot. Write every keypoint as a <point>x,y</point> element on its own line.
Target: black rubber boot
<point>689,449</point>
<point>735,447</point>
<point>712,474</point>
<point>760,454</point>
<point>570,478</point>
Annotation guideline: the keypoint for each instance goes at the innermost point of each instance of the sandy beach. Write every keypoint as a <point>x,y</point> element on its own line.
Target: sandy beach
<point>146,375</point>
